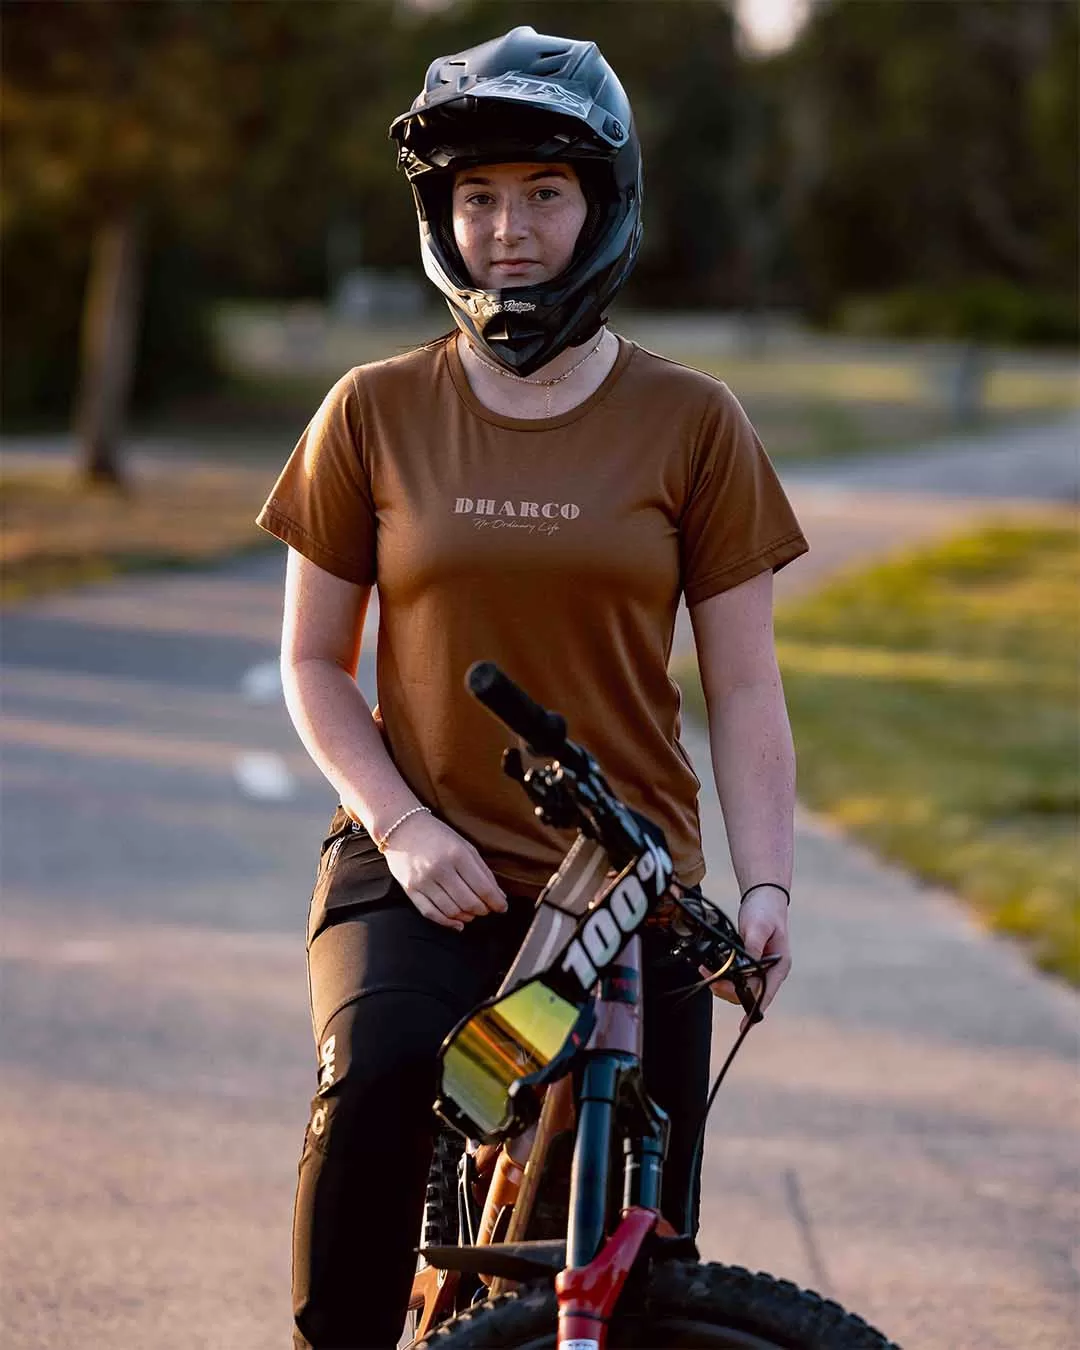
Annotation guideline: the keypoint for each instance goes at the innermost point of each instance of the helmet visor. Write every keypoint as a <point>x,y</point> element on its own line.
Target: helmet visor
<point>548,95</point>
<point>493,124</point>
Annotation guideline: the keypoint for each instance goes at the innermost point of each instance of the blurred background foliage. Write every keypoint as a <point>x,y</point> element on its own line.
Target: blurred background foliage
<point>904,168</point>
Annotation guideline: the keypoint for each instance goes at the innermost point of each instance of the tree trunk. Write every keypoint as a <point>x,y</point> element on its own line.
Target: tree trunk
<point>110,322</point>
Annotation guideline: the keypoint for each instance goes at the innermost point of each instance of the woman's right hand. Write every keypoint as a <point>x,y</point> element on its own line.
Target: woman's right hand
<point>442,873</point>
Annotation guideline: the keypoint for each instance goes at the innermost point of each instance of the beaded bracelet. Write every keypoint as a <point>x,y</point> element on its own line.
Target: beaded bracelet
<point>380,843</point>
<point>759,886</point>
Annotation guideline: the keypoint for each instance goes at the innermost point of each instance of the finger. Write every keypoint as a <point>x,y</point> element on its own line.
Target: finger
<point>720,988</point>
<point>448,890</point>
<point>756,931</point>
<point>480,880</point>
<point>470,906</point>
<point>448,901</point>
<point>775,978</point>
<point>429,910</point>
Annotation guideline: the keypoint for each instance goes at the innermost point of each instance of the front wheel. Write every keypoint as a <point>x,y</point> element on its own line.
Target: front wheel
<point>686,1304</point>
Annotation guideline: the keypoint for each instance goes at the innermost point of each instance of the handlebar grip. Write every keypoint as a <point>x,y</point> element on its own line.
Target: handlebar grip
<point>544,731</point>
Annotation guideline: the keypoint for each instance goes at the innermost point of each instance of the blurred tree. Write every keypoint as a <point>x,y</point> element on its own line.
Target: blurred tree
<point>108,109</point>
<point>932,145</point>
<point>312,89</point>
<point>119,118</point>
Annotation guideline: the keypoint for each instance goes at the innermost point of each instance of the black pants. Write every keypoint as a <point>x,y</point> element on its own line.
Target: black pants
<point>387,986</point>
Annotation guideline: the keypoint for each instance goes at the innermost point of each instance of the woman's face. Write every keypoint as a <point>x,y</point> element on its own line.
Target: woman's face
<point>517,224</point>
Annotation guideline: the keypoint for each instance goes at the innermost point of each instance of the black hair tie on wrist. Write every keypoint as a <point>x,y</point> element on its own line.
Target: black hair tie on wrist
<point>760,886</point>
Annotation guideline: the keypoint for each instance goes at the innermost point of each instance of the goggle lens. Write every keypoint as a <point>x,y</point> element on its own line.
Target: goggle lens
<point>510,1039</point>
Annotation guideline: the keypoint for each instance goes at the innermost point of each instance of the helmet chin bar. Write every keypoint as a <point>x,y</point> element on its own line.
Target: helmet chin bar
<point>519,341</point>
<point>517,349</point>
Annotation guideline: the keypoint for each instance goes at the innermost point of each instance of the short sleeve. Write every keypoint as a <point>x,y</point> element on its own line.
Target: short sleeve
<point>737,520</point>
<point>322,504</point>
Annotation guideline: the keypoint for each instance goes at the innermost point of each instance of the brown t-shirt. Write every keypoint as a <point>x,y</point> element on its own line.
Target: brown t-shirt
<point>557,548</point>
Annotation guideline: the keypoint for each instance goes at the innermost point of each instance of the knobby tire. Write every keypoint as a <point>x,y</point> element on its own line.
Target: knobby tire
<point>686,1304</point>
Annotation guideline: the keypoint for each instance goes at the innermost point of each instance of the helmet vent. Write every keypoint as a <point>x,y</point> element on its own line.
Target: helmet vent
<point>547,63</point>
<point>452,72</point>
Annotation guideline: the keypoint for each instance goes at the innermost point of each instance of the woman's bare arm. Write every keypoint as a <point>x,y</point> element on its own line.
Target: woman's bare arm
<point>753,758</point>
<point>320,650</point>
<point>442,873</point>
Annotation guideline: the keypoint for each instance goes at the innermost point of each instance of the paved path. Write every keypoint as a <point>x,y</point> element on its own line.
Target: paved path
<point>1034,462</point>
<point>858,509</point>
<point>900,1132</point>
<point>155,1045</point>
<point>903,1132</point>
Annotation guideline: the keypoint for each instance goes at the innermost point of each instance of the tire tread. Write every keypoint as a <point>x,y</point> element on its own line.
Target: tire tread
<point>798,1319</point>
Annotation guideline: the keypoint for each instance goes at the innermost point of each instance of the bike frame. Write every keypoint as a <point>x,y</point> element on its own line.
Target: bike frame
<point>611,1100</point>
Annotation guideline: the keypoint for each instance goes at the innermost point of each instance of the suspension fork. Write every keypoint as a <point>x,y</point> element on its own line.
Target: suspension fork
<point>592,1157</point>
<point>596,1271</point>
<point>612,1064</point>
<point>609,1077</point>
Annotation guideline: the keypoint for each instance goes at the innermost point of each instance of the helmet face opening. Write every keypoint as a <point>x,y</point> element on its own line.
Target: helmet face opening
<point>433,194</point>
<point>527,98</point>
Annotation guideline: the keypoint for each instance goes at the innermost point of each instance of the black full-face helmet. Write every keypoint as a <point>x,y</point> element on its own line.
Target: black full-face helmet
<point>525,98</point>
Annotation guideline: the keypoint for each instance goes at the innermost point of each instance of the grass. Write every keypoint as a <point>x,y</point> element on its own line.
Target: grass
<point>58,532</point>
<point>934,703</point>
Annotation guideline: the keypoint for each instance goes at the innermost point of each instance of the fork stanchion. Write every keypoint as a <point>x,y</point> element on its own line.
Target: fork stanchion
<point>589,1174</point>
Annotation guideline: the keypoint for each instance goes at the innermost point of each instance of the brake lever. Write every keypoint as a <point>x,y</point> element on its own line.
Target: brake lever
<point>740,967</point>
<point>738,975</point>
<point>751,1002</point>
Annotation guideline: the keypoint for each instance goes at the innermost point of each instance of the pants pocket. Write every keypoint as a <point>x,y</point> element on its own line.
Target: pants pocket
<point>352,873</point>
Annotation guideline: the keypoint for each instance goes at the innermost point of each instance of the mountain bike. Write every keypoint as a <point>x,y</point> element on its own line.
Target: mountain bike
<point>542,1226</point>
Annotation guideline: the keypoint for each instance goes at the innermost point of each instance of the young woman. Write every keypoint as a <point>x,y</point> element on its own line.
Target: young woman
<point>536,491</point>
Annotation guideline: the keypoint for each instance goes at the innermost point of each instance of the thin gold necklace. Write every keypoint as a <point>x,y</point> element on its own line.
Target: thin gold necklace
<point>546,385</point>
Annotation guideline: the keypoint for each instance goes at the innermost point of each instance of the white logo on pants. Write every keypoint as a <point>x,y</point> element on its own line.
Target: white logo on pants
<point>326,1064</point>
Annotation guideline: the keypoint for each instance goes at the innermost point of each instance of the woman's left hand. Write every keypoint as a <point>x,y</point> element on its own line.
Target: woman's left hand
<point>763,927</point>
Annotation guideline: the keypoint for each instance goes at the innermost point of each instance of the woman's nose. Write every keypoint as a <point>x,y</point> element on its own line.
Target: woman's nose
<point>510,224</point>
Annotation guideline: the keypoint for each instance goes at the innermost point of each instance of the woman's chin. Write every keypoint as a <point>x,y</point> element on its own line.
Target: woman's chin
<point>510,279</point>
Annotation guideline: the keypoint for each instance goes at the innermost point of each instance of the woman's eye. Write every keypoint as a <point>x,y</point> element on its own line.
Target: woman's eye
<point>547,194</point>
<point>479,199</point>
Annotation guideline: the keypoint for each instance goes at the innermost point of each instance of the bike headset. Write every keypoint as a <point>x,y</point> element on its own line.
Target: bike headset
<point>523,98</point>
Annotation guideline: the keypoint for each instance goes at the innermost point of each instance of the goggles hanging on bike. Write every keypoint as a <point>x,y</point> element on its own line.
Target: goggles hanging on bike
<point>493,1062</point>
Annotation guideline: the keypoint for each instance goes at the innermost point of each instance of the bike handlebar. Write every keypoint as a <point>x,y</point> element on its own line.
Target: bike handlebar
<point>543,731</point>
<point>545,734</point>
